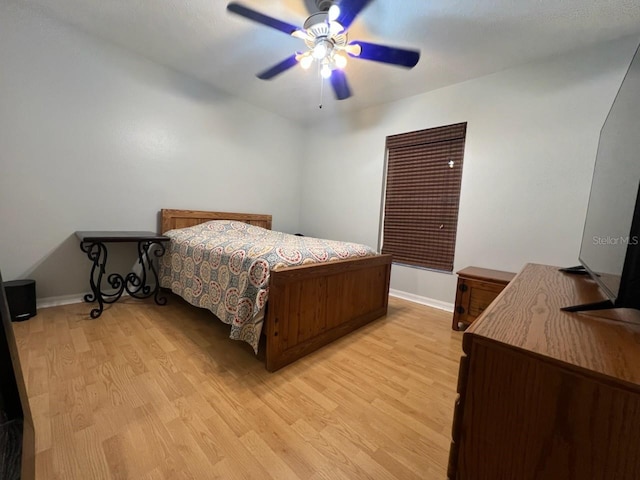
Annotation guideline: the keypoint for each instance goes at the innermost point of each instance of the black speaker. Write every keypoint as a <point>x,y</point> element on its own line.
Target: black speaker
<point>21,297</point>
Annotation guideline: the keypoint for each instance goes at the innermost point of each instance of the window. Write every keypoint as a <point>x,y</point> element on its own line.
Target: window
<point>422,195</point>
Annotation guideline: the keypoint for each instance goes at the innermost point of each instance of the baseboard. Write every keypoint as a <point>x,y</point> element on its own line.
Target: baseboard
<point>67,299</point>
<point>429,302</point>
<point>61,300</point>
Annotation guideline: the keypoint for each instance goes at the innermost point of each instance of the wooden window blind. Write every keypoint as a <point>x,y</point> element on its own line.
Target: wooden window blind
<point>422,196</point>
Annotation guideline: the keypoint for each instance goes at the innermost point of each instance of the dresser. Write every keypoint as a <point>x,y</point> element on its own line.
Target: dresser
<point>476,289</point>
<point>545,394</point>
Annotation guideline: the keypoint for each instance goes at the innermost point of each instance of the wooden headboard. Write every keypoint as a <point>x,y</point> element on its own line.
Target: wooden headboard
<point>188,218</point>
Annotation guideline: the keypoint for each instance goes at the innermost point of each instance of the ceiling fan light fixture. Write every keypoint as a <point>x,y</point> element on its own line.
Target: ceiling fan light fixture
<point>319,51</point>
<point>340,61</point>
<point>325,35</point>
<point>306,62</point>
<point>322,48</point>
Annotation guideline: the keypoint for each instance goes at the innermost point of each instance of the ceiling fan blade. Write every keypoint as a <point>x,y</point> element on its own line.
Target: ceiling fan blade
<point>277,69</point>
<point>349,10</point>
<point>340,85</point>
<point>235,7</point>
<point>384,54</point>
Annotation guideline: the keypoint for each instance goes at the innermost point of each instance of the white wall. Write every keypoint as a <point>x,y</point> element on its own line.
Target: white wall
<point>531,143</point>
<point>94,138</point>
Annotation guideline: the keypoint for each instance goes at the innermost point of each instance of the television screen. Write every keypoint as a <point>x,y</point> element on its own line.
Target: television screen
<point>614,190</point>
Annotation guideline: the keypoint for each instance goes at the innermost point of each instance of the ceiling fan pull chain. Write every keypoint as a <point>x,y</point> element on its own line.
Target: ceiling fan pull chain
<point>321,86</point>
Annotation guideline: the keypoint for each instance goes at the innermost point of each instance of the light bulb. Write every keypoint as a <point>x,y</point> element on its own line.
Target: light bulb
<point>325,71</point>
<point>340,61</point>
<point>334,12</point>
<point>306,62</point>
<point>319,51</point>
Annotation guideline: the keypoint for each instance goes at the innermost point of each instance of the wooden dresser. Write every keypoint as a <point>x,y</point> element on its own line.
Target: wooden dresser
<point>545,394</point>
<point>476,289</point>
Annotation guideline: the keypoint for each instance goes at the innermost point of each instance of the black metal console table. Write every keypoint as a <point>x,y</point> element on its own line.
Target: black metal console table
<point>137,286</point>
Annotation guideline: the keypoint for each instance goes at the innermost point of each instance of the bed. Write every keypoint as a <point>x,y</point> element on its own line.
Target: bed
<point>309,305</point>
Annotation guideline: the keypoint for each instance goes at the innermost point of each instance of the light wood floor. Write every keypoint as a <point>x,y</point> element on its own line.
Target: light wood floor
<point>148,392</point>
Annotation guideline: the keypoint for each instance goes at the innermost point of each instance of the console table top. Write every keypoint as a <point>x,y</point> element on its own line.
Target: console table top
<point>119,236</point>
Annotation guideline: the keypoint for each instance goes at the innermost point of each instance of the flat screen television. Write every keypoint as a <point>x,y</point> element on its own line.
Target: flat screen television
<point>610,250</point>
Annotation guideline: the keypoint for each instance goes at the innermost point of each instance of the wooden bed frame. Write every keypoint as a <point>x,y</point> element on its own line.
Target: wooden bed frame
<point>310,305</point>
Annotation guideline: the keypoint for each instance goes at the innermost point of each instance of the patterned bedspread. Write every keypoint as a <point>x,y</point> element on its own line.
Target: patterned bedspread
<point>224,266</point>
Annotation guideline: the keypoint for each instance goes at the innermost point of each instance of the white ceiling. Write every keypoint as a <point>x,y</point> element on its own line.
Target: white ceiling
<point>458,39</point>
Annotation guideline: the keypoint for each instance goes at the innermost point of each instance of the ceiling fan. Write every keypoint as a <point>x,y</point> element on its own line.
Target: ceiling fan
<point>326,39</point>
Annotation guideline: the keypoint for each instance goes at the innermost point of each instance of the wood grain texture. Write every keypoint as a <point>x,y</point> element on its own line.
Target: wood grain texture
<point>569,426</point>
<point>476,289</point>
<point>162,393</point>
<point>527,315</point>
<point>309,306</point>
<point>548,394</point>
<point>173,218</point>
<point>495,276</point>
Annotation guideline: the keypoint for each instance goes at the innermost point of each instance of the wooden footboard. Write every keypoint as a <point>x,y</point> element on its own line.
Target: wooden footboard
<point>312,305</point>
